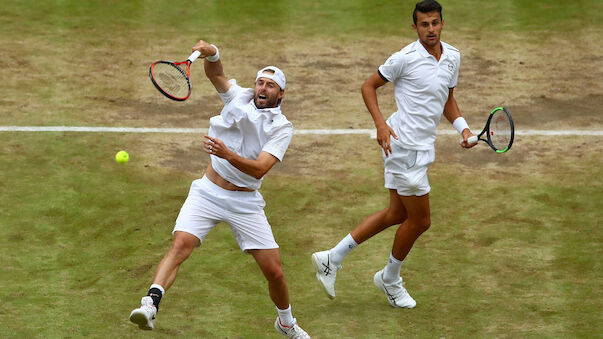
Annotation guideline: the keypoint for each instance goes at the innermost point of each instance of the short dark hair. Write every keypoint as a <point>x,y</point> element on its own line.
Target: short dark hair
<point>426,6</point>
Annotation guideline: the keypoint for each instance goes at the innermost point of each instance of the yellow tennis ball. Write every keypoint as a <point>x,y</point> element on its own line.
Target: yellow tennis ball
<point>122,157</point>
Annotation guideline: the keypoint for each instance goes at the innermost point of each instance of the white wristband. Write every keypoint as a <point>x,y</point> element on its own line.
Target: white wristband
<point>215,57</point>
<point>460,124</point>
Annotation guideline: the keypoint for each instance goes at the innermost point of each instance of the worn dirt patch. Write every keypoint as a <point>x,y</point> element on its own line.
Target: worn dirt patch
<point>549,113</point>
<point>552,84</point>
<point>155,112</point>
<point>544,87</point>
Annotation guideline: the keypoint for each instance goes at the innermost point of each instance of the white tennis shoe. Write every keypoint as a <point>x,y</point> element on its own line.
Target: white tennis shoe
<point>396,293</point>
<point>326,271</point>
<point>293,331</point>
<point>144,316</point>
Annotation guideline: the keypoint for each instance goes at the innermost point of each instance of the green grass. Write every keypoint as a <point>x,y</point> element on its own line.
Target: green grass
<point>515,245</point>
<point>81,236</point>
<point>233,17</point>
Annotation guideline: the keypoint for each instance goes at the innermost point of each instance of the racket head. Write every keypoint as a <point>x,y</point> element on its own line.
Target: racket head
<point>171,80</point>
<point>500,130</point>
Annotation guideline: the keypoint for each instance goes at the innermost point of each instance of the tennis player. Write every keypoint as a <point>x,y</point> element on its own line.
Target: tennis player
<point>248,137</point>
<point>424,74</point>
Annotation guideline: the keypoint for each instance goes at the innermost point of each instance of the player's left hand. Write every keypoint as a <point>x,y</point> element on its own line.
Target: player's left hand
<point>466,135</point>
<point>215,146</point>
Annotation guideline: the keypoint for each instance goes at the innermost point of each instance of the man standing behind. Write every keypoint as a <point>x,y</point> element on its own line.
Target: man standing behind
<point>248,137</point>
<point>424,74</point>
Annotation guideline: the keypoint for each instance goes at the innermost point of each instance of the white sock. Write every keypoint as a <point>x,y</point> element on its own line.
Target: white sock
<point>342,249</point>
<point>285,316</point>
<point>391,273</point>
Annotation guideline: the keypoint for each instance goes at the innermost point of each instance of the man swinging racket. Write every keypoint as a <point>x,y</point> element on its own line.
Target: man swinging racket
<point>248,137</point>
<point>424,74</point>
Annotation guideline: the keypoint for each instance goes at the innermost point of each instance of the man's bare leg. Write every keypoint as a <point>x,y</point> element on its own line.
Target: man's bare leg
<point>269,261</point>
<point>394,214</point>
<point>388,280</point>
<point>183,245</point>
<point>418,221</point>
<point>327,263</point>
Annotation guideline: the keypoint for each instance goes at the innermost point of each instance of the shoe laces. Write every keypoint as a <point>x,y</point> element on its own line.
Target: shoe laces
<point>146,301</point>
<point>395,291</point>
<point>148,308</point>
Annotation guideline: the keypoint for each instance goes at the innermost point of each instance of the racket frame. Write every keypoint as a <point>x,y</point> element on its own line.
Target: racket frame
<point>185,74</point>
<point>486,131</point>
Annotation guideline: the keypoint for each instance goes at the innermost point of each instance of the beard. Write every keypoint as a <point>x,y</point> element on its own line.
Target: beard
<point>269,102</point>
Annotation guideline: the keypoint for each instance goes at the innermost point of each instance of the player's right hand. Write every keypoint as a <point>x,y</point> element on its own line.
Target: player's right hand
<point>205,48</point>
<point>466,135</point>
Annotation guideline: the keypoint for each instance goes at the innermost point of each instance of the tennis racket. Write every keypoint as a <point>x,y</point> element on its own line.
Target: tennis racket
<point>172,79</point>
<point>498,132</point>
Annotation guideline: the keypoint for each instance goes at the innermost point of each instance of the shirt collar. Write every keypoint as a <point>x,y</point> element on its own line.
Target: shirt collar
<point>421,49</point>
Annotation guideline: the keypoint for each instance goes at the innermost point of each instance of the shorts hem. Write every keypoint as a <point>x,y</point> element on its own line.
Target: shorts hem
<point>259,248</point>
<point>176,229</point>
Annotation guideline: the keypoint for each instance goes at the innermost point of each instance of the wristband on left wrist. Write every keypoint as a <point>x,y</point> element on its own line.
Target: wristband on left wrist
<point>460,124</point>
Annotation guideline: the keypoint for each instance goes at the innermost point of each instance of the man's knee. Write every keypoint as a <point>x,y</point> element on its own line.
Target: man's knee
<point>182,248</point>
<point>395,217</point>
<point>422,225</point>
<point>274,272</point>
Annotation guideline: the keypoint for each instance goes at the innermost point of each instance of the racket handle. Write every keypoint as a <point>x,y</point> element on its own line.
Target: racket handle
<point>194,56</point>
<point>472,140</point>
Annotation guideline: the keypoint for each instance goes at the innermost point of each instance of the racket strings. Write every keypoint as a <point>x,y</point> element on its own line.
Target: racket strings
<point>500,130</point>
<point>171,79</point>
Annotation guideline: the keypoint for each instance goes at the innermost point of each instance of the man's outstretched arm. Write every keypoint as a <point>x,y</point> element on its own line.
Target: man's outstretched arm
<point>213,68</point>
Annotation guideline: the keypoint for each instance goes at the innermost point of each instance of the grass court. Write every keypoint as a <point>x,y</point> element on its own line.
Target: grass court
<point>515,244</point>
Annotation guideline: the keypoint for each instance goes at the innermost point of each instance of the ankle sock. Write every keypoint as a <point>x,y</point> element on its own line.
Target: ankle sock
<point>391,272</point>
<point>345,246</point>
<point>156,292</point>
<point>285,316</point>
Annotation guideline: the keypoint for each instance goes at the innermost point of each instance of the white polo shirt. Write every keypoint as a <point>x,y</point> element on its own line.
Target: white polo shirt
<point>247,131</point>
<point>421,85</point>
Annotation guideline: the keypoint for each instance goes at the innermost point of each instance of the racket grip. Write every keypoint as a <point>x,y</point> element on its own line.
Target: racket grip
<point>472,140</point>
<point>194,56</point>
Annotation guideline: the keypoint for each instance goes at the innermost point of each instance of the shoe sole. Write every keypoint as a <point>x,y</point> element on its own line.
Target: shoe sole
<point>140,320</point>
<point>316,265</point>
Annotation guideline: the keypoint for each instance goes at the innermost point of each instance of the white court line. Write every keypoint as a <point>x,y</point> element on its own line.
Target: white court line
<point>370,132</point>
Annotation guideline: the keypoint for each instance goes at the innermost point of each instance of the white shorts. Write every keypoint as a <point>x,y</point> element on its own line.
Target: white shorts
<point>207,204</point>
<point>406,170</point>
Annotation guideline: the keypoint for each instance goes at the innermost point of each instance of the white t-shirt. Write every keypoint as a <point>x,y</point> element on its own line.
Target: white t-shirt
<point>247,131</point>
<point>421,88</point>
